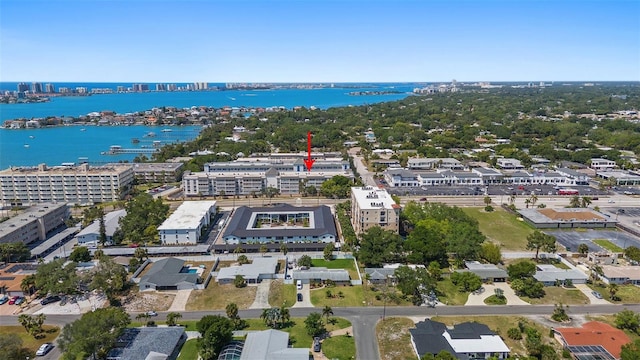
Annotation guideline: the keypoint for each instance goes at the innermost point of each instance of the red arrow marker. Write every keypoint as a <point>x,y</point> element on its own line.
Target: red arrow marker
<point>308,162</point>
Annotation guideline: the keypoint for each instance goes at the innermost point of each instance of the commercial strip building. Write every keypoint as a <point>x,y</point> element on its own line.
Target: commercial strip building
<point>90,236</point>
<point>82,184</point>
<point>566,218</point>
<point>34,223</point>
<point>188,223</point>
<point>252,175</point>
<point>373,207</point>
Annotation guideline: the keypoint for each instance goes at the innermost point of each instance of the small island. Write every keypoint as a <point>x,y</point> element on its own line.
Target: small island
<point>371,92</point>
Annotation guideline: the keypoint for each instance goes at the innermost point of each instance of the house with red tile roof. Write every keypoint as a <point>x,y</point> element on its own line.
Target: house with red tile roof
<point>593,338</point>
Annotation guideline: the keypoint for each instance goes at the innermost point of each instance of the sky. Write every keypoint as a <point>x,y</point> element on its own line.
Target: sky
<point>319,41</point>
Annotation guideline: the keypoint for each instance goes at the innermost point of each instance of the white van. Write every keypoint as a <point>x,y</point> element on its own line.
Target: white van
<point>299,284</point>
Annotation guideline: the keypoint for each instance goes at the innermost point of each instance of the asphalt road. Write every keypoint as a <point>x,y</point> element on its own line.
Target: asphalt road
<point>364,319</point>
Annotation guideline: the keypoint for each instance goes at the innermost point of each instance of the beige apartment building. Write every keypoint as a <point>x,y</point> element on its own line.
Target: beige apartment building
<point>82,184</point>
<point>34,223</point>
<point>373,207</point>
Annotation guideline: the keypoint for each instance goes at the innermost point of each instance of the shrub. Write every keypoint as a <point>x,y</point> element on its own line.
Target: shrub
<point>488,208</point>
<point>514,333</point>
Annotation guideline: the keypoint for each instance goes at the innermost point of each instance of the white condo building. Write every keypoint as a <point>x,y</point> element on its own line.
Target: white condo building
<point>252,175</point>
<point>187,224</point>
<point>82,184</point>
<point>373,207</point>
<point>34,223</point>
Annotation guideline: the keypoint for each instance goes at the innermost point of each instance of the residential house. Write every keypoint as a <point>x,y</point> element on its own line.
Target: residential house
<point>271,345</point>
<point>169,274</point>
<point>260,269</point>
<point>550,275</point>
<point>149,343</point>
<point>594,340</point>
<point>320,274</point>
<point>620,274</point>
<point>486,272</point>
<point>90,236</point>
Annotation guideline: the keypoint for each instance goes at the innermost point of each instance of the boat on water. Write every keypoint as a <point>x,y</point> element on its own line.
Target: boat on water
<point>26,145</point>
<point>135,140</point>
<point>150,134</point>
<point>31,137</point>
<point>83,129</point>
<point>167,130</point>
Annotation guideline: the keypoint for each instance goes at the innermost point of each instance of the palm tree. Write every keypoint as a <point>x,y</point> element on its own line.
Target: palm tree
<point>574,202</point>
<point>285,316</point>
<point>613,289</point>
<point>284,249</point>
<point>28,283</point>
<point>534,199</point>
<point>238,250</point>
<point>512,199</point>
<point>586,201</point>
<point>263,249</point>
<point>527,202</point>
<point>326,312</point>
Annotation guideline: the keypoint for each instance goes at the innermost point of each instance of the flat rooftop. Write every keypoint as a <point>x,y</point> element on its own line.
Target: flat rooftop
<point>30,214</point>
<point>167,166</point>
<point>82,168</point>
<point>188,215</point>
<point>369,198</point>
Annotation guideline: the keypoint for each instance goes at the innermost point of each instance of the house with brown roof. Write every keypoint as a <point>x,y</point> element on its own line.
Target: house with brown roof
<point>593,340</point>
<point>548,218</point>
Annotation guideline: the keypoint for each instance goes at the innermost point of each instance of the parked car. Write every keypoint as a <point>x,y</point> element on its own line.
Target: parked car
<point>44,349</point>
<point>4,299</point>
<point>13,300</point>
<point>19,300</point>
<point>299,284</point>
<point>152,313</point>
<point>316,344</point>
<point>49,300</point>
<point>299,297</point>
<point>596,294</point>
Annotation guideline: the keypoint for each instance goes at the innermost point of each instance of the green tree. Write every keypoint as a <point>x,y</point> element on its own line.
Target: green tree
<point>304,260</point>
<point>466,281</point>
<point>143,212</point>
<point>284,249</point>
<point>56,278</point>
<point>379,246</point>
<point>338,187</point>
<point>628,320</point>
<point>216,331</point>
<point>239,281</point>
<point>263,249</point>
<point>232,311</point>
<point>98,254</point>
<point>314,325</point>
<point>631,351</point>
<point>12,348</point>
<point>326,312</point>
<point>613,290</point>
<point>102,238</point>
<point>32,324</point>
<point>173,317</point>
<point>426,242</point>
<point>632,253</point>
<point>328,251</point>
<point>491,253</point>
<point>94,334</point>
<point>80,254</point>
<point>559,313</point>
<point>109,277</point>
<point>487,200</point>
<point>538,240</point>
<point>575,202</point>
<point>14,252</point>
<point>583,249</point>
<point>520,270</point>
<point>243,259</point>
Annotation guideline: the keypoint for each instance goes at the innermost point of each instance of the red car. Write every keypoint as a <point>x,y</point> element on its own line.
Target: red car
<point>13,300</point>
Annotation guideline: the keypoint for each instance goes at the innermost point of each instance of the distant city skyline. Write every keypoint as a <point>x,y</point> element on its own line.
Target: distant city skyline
<point>287,41</point>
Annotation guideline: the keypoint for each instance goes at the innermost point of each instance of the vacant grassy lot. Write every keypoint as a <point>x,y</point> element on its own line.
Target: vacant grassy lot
<point>216,297</point>
<point>501,227</point>
<point>189,350</point>
<point>449,294</point>
<point>394,340</point>
<point>559,295</point>
<point>280,293</point>
<point>500,325</point>
<point>339,347</point>
<point>51,332</point>
<point>627,293</point>
<point>608,245</point>
<point>353,296</point>
<point>347,264</point>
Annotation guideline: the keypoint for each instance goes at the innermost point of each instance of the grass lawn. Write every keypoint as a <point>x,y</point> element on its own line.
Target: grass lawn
<point>50,332</point>
<point>297,332</point>
<point>500,325</point>
<point>559,295</point>
<point>449,293</point>
<point>394,340</point>
<point>347,264</point>
<point>608,245</point>
<point>280,293</point>
<point>216,297</point>
<point>341,323</point>
<point>627,293</point>
<point>501,227</point>
<point>352,296</point>
<point>189,350</point>
<point>339,347</point>
<point>494,300</point>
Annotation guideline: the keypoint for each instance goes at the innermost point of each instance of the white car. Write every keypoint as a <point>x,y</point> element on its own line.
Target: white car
<point>152,313</point>
<point>299,284</point>
<point>44,349</point>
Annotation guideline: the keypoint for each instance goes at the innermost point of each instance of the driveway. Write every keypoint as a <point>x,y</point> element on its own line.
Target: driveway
<point>180,301</point>
<point>262,295</point>
<point>306,297</point>
<point>586,290</point>
<point>489,289</point>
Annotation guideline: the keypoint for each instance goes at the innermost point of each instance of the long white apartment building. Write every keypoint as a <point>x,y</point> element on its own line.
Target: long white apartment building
<point>34,223</point>
<point>251,175</point>
<point>82,184</point>
<point>373,207</point>
<point>187,224</point>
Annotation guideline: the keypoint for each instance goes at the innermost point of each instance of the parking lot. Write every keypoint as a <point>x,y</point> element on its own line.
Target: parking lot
<point>572,239</point>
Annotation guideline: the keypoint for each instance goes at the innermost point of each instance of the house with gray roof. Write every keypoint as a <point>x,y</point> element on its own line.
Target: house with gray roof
<point>549,275</point>
<point>281,224</point>
<point>320,274</point>
<point>271,345</point>
<point>169,274</point>
<point>380,275</point>
<point>149,343</point>
<point>90,236</point>
<point>401,178</point>
<point>259,269</point>
<point>487,272</point>
<point>469,340</point>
